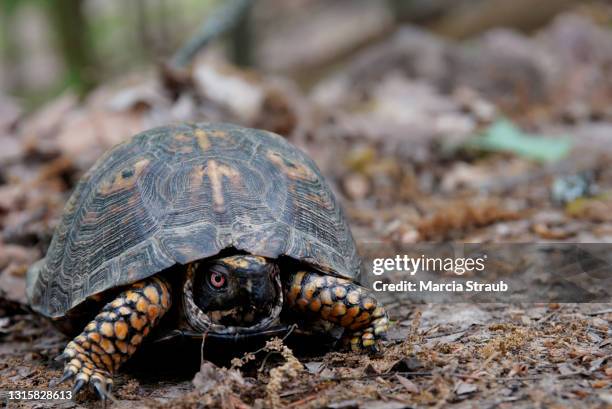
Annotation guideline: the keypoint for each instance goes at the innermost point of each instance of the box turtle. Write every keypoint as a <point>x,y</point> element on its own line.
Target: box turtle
<point>233,229</point>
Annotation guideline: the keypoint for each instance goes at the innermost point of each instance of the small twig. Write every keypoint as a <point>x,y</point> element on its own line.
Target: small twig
<point>303,400</point>
<point>218,23</point>
<point>202,347</point>
<point>445,334</point>
<point>265,361</point>
<point>294,392</point>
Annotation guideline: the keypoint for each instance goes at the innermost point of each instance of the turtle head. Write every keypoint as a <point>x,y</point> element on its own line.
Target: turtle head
<point>236,291</point>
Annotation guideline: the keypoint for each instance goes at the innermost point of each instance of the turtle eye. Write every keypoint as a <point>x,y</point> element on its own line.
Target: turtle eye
<point>217,280</point>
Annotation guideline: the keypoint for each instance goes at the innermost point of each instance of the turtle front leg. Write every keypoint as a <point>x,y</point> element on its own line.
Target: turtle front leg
<point>114,335</point>
<point>340,302</point>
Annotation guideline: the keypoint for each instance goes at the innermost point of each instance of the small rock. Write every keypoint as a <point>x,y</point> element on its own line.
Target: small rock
<point>465,388</point>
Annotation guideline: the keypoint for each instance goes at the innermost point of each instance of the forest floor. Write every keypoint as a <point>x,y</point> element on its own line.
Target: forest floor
<point>409,135</point>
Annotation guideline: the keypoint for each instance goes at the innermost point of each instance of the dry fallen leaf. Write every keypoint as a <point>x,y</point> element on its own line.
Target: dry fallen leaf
<point>410,386</point>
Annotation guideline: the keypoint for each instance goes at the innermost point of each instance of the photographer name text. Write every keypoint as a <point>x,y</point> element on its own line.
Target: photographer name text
<point>431,286</point>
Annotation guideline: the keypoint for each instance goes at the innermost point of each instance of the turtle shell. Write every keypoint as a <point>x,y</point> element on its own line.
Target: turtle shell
<point>181,193</point>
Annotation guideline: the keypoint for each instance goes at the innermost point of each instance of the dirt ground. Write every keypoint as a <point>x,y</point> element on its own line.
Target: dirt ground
<point>394,133</point>
<point>487,355</point>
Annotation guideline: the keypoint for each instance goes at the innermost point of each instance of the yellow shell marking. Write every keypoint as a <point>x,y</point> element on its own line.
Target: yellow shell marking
<point>202,139</point>
<point>242,261</point>
<point>215,173</point>
<point>293,169</point>
<point>235,262</point>
<point>125,178</point>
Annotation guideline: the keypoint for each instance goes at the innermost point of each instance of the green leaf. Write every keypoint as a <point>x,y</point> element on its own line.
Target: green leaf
<point>504,136</point>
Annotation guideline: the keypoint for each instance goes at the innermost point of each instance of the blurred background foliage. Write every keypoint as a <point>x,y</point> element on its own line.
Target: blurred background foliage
<point>49,46</point>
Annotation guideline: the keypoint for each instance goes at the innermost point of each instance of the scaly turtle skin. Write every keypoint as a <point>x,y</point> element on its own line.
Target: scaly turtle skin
<point>234,228</point>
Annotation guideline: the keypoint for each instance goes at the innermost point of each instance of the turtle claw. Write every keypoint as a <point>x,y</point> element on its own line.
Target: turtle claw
<point>67,375</point>
<point>102,392</point>
<point>78,385</point>
<point>61,357</point>
<point>100,382</point>
<point>58,381</point>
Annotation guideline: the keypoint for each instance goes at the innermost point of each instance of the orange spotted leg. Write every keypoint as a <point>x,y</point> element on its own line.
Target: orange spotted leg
<point>114,335</point>
<point>341,302</point>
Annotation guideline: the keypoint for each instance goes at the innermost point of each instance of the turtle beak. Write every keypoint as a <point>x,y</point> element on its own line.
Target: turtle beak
<point>257,291</point>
